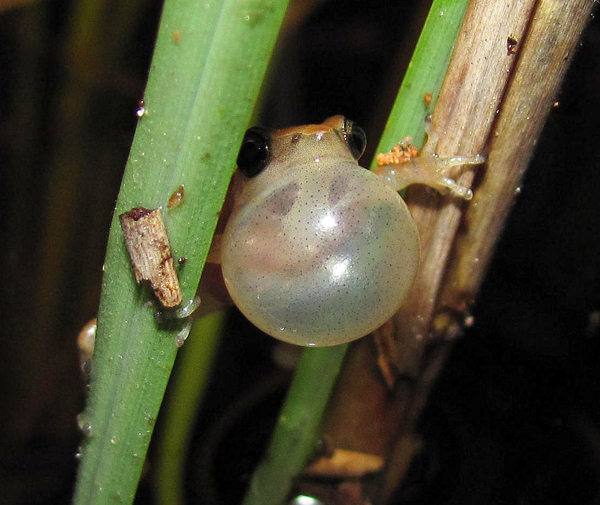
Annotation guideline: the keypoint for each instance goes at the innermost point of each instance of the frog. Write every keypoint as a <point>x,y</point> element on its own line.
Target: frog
<point>318,251</point>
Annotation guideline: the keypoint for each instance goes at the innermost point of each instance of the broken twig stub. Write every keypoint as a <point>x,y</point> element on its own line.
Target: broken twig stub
<point>150,253</point>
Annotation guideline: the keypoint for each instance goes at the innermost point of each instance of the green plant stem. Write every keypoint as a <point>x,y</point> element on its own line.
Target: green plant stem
<point>297,430</point>
<point>425,74</point>
<point>208,65</point>
<point>187,387</point>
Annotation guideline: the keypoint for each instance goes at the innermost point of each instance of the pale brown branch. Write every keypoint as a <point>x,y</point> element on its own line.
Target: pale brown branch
<point>507,67</point>
<point>474,87</point>
<point>543,60</point>
<point>489,74</point>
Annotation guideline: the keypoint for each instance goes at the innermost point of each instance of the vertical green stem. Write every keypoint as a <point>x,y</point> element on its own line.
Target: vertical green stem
<point>297,429</point>
<point>186,391</point>
<point>425,74</point>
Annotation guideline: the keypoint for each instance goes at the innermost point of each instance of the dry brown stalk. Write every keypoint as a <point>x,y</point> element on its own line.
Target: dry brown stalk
<point>507,68</point>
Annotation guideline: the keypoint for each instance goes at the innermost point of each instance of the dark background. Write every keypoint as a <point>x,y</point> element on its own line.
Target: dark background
<point>514,418</point>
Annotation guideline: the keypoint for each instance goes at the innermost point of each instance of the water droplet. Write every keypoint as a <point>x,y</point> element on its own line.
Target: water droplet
<point>77,455</point>
<point>303,499</point>
<point>254,11</point>
<point>517,190</point>
<point>84,426</point>
<point>80,420</point>
<point>141,110</point>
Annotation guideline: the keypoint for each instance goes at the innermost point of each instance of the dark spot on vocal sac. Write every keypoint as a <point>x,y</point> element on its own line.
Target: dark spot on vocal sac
<point>337,189</point>
<point>281,201</point>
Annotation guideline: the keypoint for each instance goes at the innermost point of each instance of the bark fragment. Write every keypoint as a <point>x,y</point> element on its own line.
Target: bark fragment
<point>150,253</point>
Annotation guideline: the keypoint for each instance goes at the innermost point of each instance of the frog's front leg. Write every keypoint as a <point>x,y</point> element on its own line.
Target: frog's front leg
<point>400,168</point>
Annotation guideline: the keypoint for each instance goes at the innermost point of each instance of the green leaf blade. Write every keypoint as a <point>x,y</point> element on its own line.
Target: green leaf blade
<point>208,66</point>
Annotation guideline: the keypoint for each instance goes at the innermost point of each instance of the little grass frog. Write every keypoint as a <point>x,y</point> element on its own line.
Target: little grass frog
<point>318,251</point>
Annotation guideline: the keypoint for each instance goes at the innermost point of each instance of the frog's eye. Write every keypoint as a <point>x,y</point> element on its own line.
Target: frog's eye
<point>355,137</point>
<point>254,153</point>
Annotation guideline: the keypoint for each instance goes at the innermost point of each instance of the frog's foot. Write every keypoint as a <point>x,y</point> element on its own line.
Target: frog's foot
<point>184,313</point>
<point>428,168</point>
<point>439,169</point>
<point>86,342</point>
<point>188,309</point>
<point>183,334</point>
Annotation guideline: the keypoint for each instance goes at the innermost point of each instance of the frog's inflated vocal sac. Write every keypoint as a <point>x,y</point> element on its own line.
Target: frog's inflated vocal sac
<point>319,251</point>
